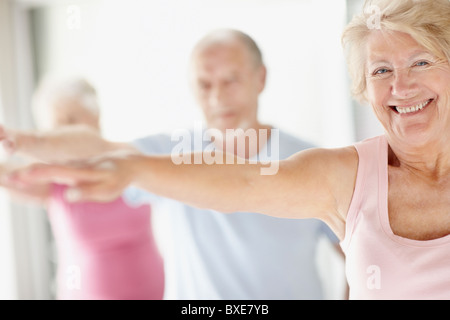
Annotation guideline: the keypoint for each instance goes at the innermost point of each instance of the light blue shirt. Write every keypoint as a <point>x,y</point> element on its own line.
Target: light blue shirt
<point>211,255</point>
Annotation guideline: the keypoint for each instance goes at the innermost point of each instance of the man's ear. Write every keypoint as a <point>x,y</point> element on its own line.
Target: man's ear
<point>262,77</point>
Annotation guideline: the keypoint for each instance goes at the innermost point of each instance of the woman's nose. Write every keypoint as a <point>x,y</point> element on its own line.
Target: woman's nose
<point>404,85</point>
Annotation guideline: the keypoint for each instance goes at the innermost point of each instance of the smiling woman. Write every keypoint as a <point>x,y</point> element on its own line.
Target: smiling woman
<point>407,87</point>
<point>425,22</point>
<point>401,68</point>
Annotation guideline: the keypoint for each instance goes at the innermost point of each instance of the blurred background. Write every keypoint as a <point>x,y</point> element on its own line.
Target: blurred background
<point>136,52</point>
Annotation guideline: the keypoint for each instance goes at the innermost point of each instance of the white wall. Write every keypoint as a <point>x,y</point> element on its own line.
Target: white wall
<point>136,52</point>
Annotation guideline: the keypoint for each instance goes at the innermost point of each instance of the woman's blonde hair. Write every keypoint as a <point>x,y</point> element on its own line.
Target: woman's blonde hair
<point>426,21</point>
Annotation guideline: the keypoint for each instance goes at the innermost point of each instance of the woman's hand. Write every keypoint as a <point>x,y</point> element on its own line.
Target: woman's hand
<point>101,179</point>
<point>8,140</point>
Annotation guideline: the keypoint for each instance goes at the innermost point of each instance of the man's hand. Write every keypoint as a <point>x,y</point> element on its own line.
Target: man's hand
<point>102,179</point>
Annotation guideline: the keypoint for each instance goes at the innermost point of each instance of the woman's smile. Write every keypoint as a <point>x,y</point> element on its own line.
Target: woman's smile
<point>412,108</point>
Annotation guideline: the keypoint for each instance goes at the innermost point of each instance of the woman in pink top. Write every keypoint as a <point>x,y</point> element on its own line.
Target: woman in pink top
<point>387,198</point>
<point>104,250</point>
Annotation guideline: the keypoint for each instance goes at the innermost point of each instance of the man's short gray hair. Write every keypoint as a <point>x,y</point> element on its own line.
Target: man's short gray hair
<point>220,36</point>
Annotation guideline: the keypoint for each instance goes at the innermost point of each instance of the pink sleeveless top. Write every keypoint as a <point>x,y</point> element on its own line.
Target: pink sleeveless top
<point>380,264</point>
<point>105,251</point>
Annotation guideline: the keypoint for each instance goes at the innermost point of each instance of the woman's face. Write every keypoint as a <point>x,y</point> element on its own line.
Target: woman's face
<point>69,112</point>
<point>408,88</point>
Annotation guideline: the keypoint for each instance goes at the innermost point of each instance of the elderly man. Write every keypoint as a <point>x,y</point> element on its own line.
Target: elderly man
<point>209,255</point>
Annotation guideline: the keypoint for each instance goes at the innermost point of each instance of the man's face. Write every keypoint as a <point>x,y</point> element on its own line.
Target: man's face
<point>226,84</point>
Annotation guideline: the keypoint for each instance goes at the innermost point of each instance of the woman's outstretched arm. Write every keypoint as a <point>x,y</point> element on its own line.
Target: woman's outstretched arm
<point>315,183</point>
<point>71,143</point>
<point>36,193</point>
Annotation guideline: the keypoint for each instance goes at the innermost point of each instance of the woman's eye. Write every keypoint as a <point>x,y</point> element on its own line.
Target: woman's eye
<point>421,63</point>
<point>380,71</point>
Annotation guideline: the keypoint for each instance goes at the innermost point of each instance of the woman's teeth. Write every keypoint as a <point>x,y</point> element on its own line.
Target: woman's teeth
<point>413,109</point>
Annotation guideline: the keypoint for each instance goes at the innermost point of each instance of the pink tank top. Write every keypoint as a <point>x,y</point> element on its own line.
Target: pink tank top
<point>380,264</point>
<point>105,251</point>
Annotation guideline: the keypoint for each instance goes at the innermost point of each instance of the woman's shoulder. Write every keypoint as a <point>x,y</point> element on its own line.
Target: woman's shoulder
<point>328,159</point>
